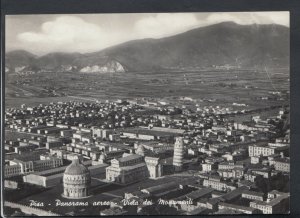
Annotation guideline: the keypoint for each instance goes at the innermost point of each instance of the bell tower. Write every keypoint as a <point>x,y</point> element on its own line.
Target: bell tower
<point>178,154</point>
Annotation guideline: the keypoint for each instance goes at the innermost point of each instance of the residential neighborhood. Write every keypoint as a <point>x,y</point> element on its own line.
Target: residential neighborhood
<point>200,161</point>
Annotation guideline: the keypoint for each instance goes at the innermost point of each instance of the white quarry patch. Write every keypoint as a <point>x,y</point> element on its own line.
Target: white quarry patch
<point>19,69</point>
<point>68,68</point>
<point>110,67</point>
<point>119,67</point>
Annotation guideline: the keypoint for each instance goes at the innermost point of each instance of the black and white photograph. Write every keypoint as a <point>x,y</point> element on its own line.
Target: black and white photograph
<point>174,113</point>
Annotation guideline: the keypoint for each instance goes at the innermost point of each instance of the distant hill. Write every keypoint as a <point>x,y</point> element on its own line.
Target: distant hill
<point>57,60</point>
<point>19,58</point>
<point>244,46</point>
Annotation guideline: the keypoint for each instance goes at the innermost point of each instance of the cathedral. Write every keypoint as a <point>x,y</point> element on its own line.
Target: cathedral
<point>128,169</point>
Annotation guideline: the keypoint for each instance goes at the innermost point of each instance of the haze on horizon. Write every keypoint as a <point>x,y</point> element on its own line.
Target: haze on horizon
<point>42,34</point>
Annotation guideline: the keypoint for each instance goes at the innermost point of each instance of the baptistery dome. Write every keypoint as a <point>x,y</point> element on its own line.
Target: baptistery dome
<point>76,180</point>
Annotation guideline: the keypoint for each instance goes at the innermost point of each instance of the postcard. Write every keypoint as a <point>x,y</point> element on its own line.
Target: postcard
<point>147,114</point>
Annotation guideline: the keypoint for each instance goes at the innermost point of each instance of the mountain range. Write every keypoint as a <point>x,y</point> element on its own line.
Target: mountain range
<point>223,44</point>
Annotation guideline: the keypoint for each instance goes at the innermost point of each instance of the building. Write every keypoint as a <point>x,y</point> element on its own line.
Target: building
<point>259,196</point>
<point>265,172</point>
<point>18,167</point>
<point>154,167</point>
<point>208,167</point>
<point>178,154</point>
<point>256,159</point>
<point>238,208</point>
<point>14,170</point>
<point>151,134</point>
<point>265,150</point>
<point>157,146</point>
<point>43,180</point>
<point>76,180</point>
<point>228,165</point>
<point>217,184</point>
<point>252,177</point>
<point>47,163</point>
<point>54,177</point>
<point>110,155</point>
<point>274,194</point>
<point>279,204</point>
<point>198,194</point>
<point>140,150</point>
<point>238,172</point>
<point>53,144</point>
<point>161,189</point>
<point>127,169</point>
<point>11,184</point>
<point>282,164</point>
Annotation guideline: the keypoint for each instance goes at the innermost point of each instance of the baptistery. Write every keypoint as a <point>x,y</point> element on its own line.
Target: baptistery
<point>76,180</point>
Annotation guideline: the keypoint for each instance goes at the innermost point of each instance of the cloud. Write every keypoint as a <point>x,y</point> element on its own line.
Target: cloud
<point>246,18</point>
<point>72,33</point>
<point>160,25</point>
<point>69,33</point>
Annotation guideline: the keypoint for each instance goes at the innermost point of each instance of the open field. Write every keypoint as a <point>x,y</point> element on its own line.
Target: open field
<point>223,87</point>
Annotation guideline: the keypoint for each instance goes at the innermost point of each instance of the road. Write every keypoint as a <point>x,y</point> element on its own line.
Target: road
<point>83,98</point>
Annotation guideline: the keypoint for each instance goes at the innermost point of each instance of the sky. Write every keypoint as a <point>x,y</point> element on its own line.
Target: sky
<point>42,34</point>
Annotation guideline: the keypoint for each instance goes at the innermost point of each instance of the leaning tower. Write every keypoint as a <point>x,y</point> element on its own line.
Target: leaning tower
<point>178,154</point>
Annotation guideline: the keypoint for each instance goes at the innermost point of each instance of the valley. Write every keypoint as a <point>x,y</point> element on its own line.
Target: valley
<point>249,87</point>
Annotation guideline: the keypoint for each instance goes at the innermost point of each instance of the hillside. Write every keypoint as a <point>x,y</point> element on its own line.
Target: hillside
<point>244,46</point>
<point>19,58</point>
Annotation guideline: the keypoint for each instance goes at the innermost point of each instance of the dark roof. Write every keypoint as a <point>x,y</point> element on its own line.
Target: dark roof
<point>149,132</point>
<point>234,194</point>
<point>227,211</point>
<point>113,211</point>
<point>253,193</point>
<point>274,201</point>
<point>238,207</point>
<point>199,193</point>
<point>283,160</point>
<point>129,157</point>
<point>197,211</point>
<point>214,201</point>
<point>162,187</point>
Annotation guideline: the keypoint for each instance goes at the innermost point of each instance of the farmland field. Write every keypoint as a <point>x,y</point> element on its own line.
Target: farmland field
<point>220,87</point>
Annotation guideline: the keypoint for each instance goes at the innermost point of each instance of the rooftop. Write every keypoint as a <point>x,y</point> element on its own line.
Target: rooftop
<point>197,211</point>
<point>248,192</point>
<point>129,157</point>
<point>76,168</point>
<point>149,132</point>
<point>283,160</point>
<point>239,207</point>
<point>162,187</point>
<point>273,202</point>
<point>126,168</point>
<point>234,194</point>
<point>199,193</point>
